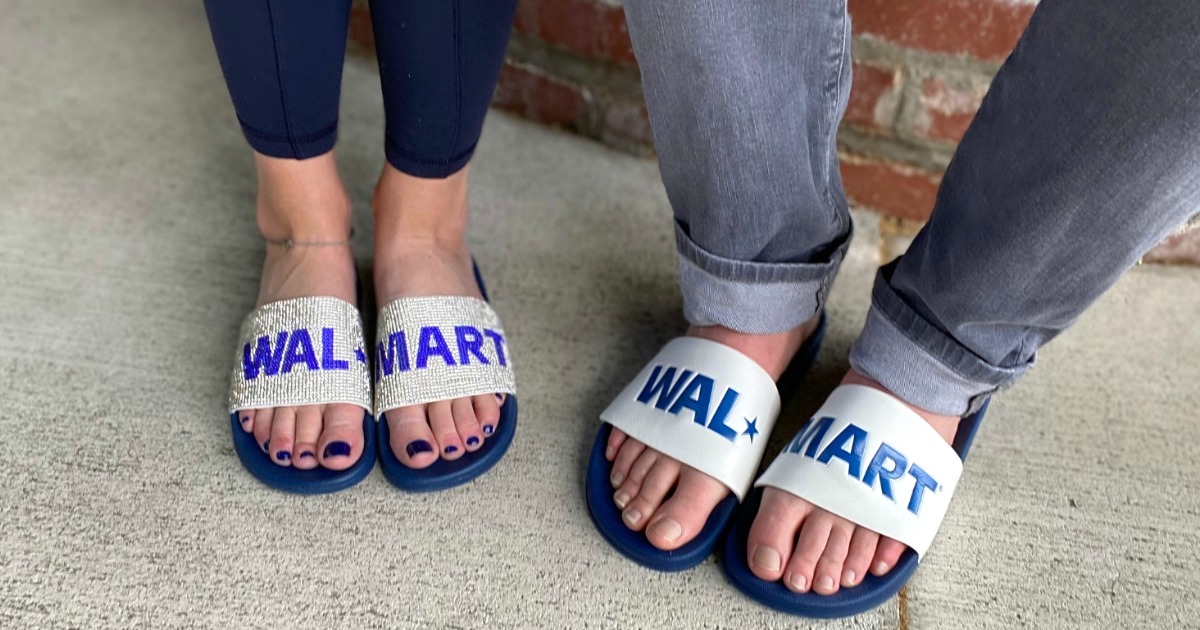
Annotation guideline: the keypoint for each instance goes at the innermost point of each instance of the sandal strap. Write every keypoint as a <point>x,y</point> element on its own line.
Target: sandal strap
<point>703,404</point>
<point>868,458</point>
<point>304,351</point>
<point>439,348</point>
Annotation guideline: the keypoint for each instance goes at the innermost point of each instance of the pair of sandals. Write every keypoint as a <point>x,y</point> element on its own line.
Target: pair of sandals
<point>864,456</point>
<point>312,351</point>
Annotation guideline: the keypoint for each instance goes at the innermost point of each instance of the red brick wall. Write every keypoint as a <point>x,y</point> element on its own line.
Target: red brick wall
<point>921,68</point>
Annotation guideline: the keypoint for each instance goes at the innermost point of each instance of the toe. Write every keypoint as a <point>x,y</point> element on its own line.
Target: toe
<point>262,428</point>
<point>629,489</point>
<point>827,577</point>
<point>629,453</point>
<point>682,517</point>
<point>341,442</point>
<point>769,544</point>
<point>308,432</point>
<point>814,533</point>
<point>655,485</point>
<point>246,419</point>
<point>283,435</point>
<point>441,422</point>
<point>487,413</point>
<point>858,559</point>
<point>469,431</point>
<point>887,554</point>
<point>411,440</point>
<point>616,438</point>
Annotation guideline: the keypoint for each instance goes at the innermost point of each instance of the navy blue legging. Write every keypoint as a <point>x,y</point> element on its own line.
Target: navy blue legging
<point>438,65</point>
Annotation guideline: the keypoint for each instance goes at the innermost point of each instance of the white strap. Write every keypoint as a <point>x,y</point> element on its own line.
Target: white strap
<point>868,458</point>
<point>439,348</point>
<point>704,404</point>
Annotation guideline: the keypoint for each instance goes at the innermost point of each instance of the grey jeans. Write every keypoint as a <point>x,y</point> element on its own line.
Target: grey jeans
<point>1083,155</point>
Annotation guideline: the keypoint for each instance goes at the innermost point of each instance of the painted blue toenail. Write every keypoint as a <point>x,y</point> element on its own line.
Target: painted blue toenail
<point>487,429</point>
<point>307,454</point>
<point>267,445</point>
<point>472,441</point>
<point>245,419</point>
<point>283,456</point>
<point>337,449</point>
<point>418,446</point>
<point>451,449</point>
<point>499,396</point>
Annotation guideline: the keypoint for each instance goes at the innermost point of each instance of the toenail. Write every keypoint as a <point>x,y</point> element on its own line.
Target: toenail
<point>472,441</point>
<point>267,445</point>
<point>881,568</point>
<point>798,582</point>
<point>632,517</point>
<point>245,419</point>
<point>825,583</point>
<point>307,454</point>
<point>337,449</point>
<point>767,559</point>
<point>418,446</point>
<point>499,396</point>
<point>621,499</point>
<point>488,429</point>
<point>283,456</point>
<point>668,529</point>
<point>617,478</point>
<point>848,578</point>
<point>452,449</point>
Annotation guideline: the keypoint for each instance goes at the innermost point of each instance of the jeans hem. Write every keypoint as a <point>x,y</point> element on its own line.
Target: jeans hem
<point>751,297</point>
<point>921,364</point>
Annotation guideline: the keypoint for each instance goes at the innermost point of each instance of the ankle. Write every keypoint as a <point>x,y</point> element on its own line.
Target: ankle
<point>420,212</point>
<point>303,200</point>
<point>773,352</point>
<point>946,426</point>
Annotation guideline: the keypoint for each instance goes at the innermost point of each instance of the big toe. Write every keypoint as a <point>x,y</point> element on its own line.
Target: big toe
<point>682,517</point>
<point>411,440</point>
<point>341,442</point>
<point>773,533</point>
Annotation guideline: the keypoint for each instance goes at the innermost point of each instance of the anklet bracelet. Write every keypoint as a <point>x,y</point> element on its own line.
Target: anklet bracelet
<point>288,243</point>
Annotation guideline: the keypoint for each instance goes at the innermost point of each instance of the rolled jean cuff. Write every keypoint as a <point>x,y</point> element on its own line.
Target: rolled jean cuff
<point>294,147</point>
<point>919,363</point>
<point>751,297</point>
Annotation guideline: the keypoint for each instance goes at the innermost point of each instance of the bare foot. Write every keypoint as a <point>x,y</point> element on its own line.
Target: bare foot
<point>643,477</point>
<point>304,200</point>
<point>811,549</point>
<point>420,250</point>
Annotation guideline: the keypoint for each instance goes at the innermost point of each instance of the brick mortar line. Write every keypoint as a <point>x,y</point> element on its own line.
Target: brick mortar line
<point>931,157</point>
<point>873,49</point>
<point>623,82</point>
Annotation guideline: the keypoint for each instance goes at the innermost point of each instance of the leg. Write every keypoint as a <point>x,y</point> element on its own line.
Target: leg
<point>439,61</point>
<point>1078,161</point>
<point>283,65</point>
<point>745,100</point>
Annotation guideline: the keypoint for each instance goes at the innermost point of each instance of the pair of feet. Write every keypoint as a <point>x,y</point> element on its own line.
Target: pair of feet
<point>419,251</point>
<point>807,548</point>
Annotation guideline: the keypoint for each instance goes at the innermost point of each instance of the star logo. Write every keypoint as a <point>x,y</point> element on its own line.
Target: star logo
<point>751,428</point>
<point>360,355</point>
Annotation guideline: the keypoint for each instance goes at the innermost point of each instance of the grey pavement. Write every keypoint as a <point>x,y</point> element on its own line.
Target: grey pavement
<point>128,257</point>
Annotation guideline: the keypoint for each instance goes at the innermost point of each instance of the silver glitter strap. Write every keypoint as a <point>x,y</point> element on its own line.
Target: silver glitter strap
<point>306,351</point>
<point>439,348</point>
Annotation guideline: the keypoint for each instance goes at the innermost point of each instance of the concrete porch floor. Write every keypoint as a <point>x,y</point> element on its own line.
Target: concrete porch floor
<point>128,257</point>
